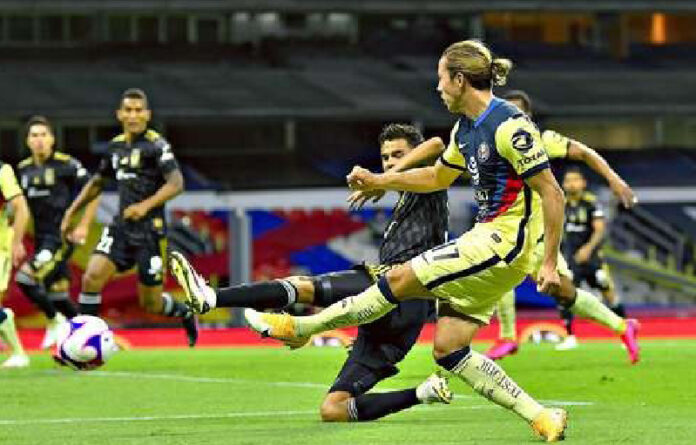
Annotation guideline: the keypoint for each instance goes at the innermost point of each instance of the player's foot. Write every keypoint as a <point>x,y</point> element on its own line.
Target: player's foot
<point>630,340</point>
<point>278,326</point>
<point>199,296</point>
<point>551,424</point>
<point>16,361</point>
<point>191,327</point>
<point>434,390</point>
<point>52,330</point>
<point>502,348</point>
<point>568,343</point>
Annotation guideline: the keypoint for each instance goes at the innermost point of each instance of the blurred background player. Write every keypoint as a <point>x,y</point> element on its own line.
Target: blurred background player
<point>147,173</point>
<point>584,231</point>
<point>50,179</point>
<point>560,147</point>
<point>12,253</point>
<point>419,222</point>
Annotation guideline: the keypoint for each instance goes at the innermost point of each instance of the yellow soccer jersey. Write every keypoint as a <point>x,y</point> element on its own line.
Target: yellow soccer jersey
<point>499,150</point>
<point>9,188</point>
<point>556,144</point>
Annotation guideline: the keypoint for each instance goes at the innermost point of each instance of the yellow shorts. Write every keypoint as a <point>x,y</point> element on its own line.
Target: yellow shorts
<point>561,264</point>
<point>468,274</point>
<point>5,257</point>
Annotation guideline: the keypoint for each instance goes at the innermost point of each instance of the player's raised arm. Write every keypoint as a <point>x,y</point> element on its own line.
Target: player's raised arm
<point>581,152</point>
<point>440,176</point>
<point>426,151</point>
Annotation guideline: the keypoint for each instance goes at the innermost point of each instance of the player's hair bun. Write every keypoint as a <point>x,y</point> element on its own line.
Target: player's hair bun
<point>500,68</point>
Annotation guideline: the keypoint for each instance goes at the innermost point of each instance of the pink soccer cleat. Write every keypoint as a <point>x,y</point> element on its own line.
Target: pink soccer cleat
<point>502,348</point>
<point>630,340</point>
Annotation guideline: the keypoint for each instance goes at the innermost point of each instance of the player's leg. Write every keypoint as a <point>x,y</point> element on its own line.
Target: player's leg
<point>8,332</point>
<point>586,305</point>
<point>507,338</point>
<point>100,269</point>
<point>150,259</point>
<point>577,274</point>
<point>399,284</point>
<point>348,400</point>
<point>59,294</point>
<point>601,279</point>
<point>34,290</point>
<point>453,335</point>
<point>321,290</point>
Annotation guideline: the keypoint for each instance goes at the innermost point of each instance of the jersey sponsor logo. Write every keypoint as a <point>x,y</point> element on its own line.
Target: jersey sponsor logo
<point>484,152</point>
<point>122,175</point>
<point>462,145</point>
<point>36,193</point>
<point>522,140</point>
<point>530,159</point>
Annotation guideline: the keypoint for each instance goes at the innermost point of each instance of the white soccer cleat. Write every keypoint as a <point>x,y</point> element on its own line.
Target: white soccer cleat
<point>570,342</point>
<point>200,297</point>
<point>16,361</point>
<point>434,390</point>
<point>53,330</point>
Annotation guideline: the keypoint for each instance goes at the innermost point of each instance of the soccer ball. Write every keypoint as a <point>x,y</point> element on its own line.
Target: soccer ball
<point>85,343</point>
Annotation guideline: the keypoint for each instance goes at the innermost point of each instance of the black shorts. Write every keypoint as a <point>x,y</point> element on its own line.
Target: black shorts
<point>142,244</point>
<point>594,272</point>
<point>357,378</point>
<point>50,261</point>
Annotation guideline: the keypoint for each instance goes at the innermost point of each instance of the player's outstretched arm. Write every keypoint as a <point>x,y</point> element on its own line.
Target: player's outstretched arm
<point>424,152</point>
<point>419,180</point>
<point>174,185</point>
<point>580,152</point>
<point>19,226</point>
<point>90,192</point>
<point>552,201</point>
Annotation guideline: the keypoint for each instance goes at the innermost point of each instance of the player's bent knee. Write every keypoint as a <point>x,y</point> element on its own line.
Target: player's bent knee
<point>304,287</point>
<point>333,411</point>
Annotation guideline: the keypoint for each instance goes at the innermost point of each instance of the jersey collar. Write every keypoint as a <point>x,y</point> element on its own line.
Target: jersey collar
<point>491,106</point>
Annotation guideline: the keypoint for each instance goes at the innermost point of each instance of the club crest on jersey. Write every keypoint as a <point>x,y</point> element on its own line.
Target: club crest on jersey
<point>483,152</point>
<point>522,140</point>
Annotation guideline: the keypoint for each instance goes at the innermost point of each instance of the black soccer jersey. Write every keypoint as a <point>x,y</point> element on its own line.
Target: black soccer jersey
<point>578,222</point>
<point>139,169</point>
<point>419,222</point>
<point>49,190</point>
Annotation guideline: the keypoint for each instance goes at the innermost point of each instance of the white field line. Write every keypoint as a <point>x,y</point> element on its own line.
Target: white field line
<point>207,416</point>
<point>195,379</point>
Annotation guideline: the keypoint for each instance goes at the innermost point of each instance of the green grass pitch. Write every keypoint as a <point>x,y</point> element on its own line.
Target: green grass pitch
<point>271,396</point>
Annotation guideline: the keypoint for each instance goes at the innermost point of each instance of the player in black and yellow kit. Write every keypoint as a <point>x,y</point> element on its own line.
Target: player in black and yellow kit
<point>50,179</point>
<point>419,222</point>
<point>585,228</point>
<point>12,253</point>
<point>146,171</point>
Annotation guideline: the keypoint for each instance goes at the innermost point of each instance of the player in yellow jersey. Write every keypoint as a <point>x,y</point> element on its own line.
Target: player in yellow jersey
<point>573,300</point>
<point>12,253</point>
<point>495,144</point>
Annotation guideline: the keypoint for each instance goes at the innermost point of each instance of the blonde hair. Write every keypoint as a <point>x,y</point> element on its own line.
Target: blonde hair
<point>475,61</point>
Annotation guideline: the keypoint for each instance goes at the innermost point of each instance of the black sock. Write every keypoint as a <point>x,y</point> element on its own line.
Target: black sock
<point>36,294</point>
<point>275,294</point>
<point>65,306</point>
<point>90,303</point>
<point>173,308</point>
<point>619,310</point>
<point>377,405</point>
<point>3,315</point>
<point>567,316</point>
